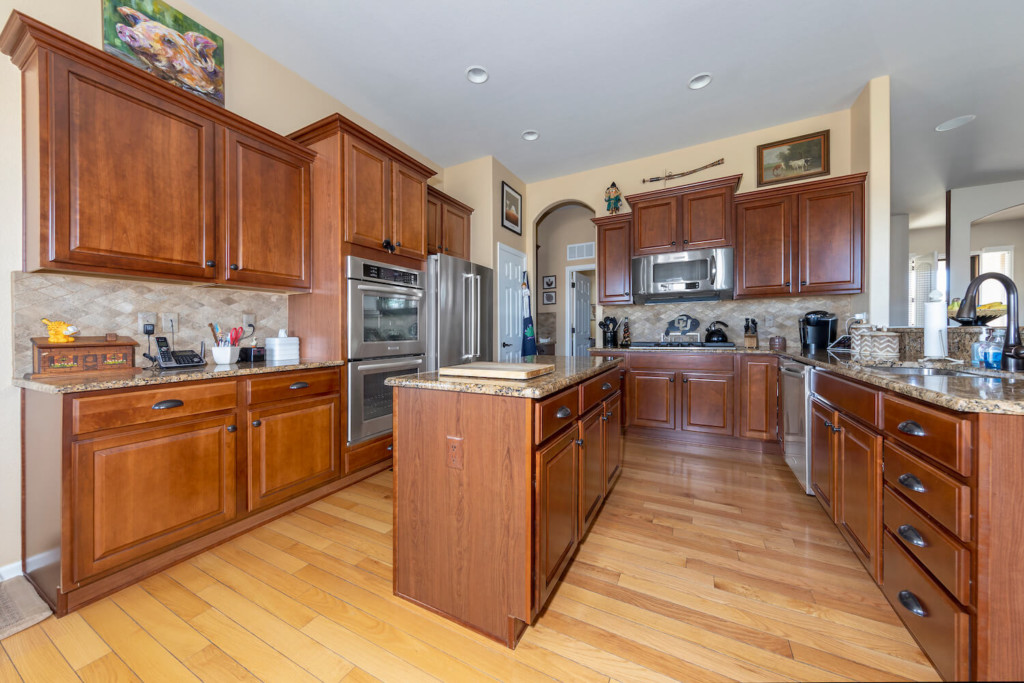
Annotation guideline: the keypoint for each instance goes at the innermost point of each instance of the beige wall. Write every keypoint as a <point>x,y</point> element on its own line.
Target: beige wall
<point>566,225</point>
<point>927,240</point>
<point>255,87</point>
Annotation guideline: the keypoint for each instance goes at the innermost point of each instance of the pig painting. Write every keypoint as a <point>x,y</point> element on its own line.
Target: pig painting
<point>186,58</point>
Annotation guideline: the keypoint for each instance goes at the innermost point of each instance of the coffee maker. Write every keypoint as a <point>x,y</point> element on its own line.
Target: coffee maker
<point>818,329</point>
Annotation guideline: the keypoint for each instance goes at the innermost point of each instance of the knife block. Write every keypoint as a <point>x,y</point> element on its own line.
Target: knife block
<point>750,341</point>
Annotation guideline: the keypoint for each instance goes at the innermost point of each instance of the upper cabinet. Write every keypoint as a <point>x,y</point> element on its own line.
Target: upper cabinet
<point>803,239</point>
<point>128,175</point>
<point>448,225</point>
<point>383,193</point>
<point>614,258</point>
<point>695,216</point>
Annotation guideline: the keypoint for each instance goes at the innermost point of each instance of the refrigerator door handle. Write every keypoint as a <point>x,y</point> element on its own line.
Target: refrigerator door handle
<point>467,309</point>
<point>476,317</point>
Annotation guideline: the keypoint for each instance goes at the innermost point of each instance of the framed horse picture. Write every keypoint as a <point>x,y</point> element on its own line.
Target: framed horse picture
<point>793,159</point>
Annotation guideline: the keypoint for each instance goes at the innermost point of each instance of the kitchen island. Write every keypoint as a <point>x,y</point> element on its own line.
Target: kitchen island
<point>496,482</point>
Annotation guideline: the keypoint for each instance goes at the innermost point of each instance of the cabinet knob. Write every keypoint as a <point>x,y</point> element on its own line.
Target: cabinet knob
<point>828,424</point>
<point>398,244</point>
<point>390,448</point>
<point>256,423</point>
<point>604,418</point>
<point>911,535</point>
<point>233,266</point>
<point>909,481</point>
<point>563,413</point>
<point>579,442</point>
<point>836,429</point>
<point>803,283</point>
<point>232,429</point>
<point>686,381</point>
<point>911,603</point>
<point>786,284</point>
<point>608,414</point>
<point>672,380</point>
<point>910,427</point>
<point>684,242</point>
<point>211,264</point>
<point>673,243</point>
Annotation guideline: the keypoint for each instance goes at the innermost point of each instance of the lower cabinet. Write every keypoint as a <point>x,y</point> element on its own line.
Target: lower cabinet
<point>138,493</point>
<point>822,436</point>
<point>758,398</point>
<point>592,464</point>
<point>557,511</point>
<point>860,492</point>
<point>293,446</point>
<point>613,444</point>
<point>708,401</point>
<point>652,399</point>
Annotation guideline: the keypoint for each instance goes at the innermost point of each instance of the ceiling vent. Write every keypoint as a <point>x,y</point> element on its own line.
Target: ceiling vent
<point>584,251</point>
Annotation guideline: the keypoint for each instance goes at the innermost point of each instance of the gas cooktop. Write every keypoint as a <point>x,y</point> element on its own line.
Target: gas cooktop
<point>683,344</point>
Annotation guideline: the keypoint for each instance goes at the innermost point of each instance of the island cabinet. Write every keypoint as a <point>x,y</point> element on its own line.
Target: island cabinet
<point>128,175</point>
<point>614,258</point>
<point>121,483</point>
<point>448,225</point>
<point>695,216</point>
<point>495,493</point>
<point>801,240</point>
<point>929,499</point>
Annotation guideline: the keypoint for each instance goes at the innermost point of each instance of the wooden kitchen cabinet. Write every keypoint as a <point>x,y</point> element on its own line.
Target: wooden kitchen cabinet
<point>293,446</point>
<point>758,397</point>
<point>708,402</point>
<point>822,437</point>
<point>613,442</point>
<point>592,453</point>
<point>408,211</point>
<point>267,231</point>
<point>614,259</point>
<point>694,216</point>
<point>557,510</point>
<point>652,399</point>
<point>128,175</point>
<point>138,493</point>
<point>803,239</point>
<point>860,492</point>
<point>448,225</point>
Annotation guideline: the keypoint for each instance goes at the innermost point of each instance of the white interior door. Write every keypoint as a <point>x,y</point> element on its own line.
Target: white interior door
<point>511,266</point>
<point>580,314</point>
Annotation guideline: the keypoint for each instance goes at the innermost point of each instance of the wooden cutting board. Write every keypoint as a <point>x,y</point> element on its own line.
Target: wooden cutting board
<point>497,370</point>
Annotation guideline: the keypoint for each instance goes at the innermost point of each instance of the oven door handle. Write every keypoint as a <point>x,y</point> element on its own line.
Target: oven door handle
<point>393,366</point>
<point>398,291</point>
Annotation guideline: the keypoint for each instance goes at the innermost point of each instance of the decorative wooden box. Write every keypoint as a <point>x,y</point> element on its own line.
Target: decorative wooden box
<point>84,356</point>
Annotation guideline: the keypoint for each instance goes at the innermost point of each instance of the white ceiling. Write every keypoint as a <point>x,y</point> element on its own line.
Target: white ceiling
<point>605,81</point>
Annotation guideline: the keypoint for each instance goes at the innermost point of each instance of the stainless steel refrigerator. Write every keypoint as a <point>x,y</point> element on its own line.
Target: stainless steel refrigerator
<point>459,305</point>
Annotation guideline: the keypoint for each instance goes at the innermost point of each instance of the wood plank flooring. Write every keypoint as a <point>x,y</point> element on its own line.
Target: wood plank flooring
<point>704,565</point>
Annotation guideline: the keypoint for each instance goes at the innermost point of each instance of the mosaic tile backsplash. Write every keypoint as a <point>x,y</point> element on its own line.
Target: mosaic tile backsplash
<point>647,323</point>
<point>100,305</point>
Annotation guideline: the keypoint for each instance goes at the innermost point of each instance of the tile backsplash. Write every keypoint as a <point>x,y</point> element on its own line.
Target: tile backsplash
<point>647,323</point>
<point>99,305</point>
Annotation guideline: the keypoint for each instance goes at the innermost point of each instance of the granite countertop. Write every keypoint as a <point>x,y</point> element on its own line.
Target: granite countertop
<point>986,391</point>
<point>157,376</point>
<point>569,370</point>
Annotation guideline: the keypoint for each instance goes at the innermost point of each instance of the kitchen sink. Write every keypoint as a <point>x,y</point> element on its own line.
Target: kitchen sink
<point>920,371</point>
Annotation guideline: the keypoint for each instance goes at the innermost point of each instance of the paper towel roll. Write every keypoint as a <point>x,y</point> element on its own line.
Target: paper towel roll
<point>935,323</point>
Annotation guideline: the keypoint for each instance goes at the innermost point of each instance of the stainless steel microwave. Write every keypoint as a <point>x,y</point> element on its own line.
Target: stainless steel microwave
<point>695,275</point>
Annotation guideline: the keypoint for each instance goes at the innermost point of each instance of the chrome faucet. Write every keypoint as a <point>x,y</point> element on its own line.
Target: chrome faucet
<point>1013,352</point>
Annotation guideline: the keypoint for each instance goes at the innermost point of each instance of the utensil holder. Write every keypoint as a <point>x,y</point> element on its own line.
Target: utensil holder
<point>225,355</point>
<point>610,339</point>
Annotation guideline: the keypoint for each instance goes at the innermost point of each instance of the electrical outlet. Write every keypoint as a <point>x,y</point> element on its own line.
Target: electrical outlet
<point>248,319</point>
<point>455,457</point>
<point>769,321</point>
<point>169,322</point>
<point>146,318</point>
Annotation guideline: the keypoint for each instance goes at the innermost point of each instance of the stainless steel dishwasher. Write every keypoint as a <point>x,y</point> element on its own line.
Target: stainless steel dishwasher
<point>794,390</point>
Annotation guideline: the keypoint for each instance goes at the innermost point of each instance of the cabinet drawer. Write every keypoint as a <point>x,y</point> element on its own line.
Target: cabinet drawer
<point>682,361</point>
<point>92,413</point>
<point>942,627</point>
<point>595,390</point>
<point>937,550</point>
<point>850,397</point>
<point>287,385</point>
<point>556,412</point>
<point>944,498</point>
<point>367,454</point>
<point>942,436</point>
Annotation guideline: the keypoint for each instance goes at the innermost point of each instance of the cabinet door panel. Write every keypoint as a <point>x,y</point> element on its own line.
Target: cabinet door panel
<point>456,224</point>
<point>831,240</point>
<point>133,179</point>
<point>408,211</point>
<point>613,262</point>
<point>139,493</point>
<point>592,477</point>
<point>557,512</point>
<point>435,240</point>
<point>367,205</point>
<point>708,402</point>
<point>294,448</point>
<point>656,226</point>
<point>707,219</point>
<point>612,439</point>
<point>652,399</point>
<point>823,450</point>
<point>860,502</point>
<point>267,230</point>
<point>763,245</point>
<point>759,397</point>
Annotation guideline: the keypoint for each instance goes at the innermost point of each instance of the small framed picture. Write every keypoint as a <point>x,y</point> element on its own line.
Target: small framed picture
<point>549,282</point>
<point>511,209</point>
<point>805,156</point>
<point>550,298</point>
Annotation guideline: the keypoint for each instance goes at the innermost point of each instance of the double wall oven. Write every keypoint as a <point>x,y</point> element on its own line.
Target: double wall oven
<point>386,337</point>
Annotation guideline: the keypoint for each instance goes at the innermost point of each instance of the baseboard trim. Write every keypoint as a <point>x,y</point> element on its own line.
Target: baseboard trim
<point>11,570</point>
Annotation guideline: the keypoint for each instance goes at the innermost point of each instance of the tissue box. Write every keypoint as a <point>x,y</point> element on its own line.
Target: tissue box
<point>282,348</point>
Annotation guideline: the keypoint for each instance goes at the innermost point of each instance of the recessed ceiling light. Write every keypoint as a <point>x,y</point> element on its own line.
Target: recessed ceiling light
<point>699,81</point>
<point>955,123</point>
<point>476,74</point>
<point>530,135</point>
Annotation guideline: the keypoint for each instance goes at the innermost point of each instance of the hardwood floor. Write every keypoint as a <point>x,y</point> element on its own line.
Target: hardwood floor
<point>704,565</point>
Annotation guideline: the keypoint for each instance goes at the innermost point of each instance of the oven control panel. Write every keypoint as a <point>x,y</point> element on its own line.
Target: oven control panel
<point>373,271</point>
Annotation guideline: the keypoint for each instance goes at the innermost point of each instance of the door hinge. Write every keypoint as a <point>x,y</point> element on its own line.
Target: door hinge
<point>574,330</point>
<point>574,285</point>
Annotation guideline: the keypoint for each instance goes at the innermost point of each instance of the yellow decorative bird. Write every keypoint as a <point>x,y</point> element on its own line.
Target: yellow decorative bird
<point>60,332</point>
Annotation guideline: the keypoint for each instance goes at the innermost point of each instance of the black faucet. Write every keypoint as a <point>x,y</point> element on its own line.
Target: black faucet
<point>1013,352</point>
